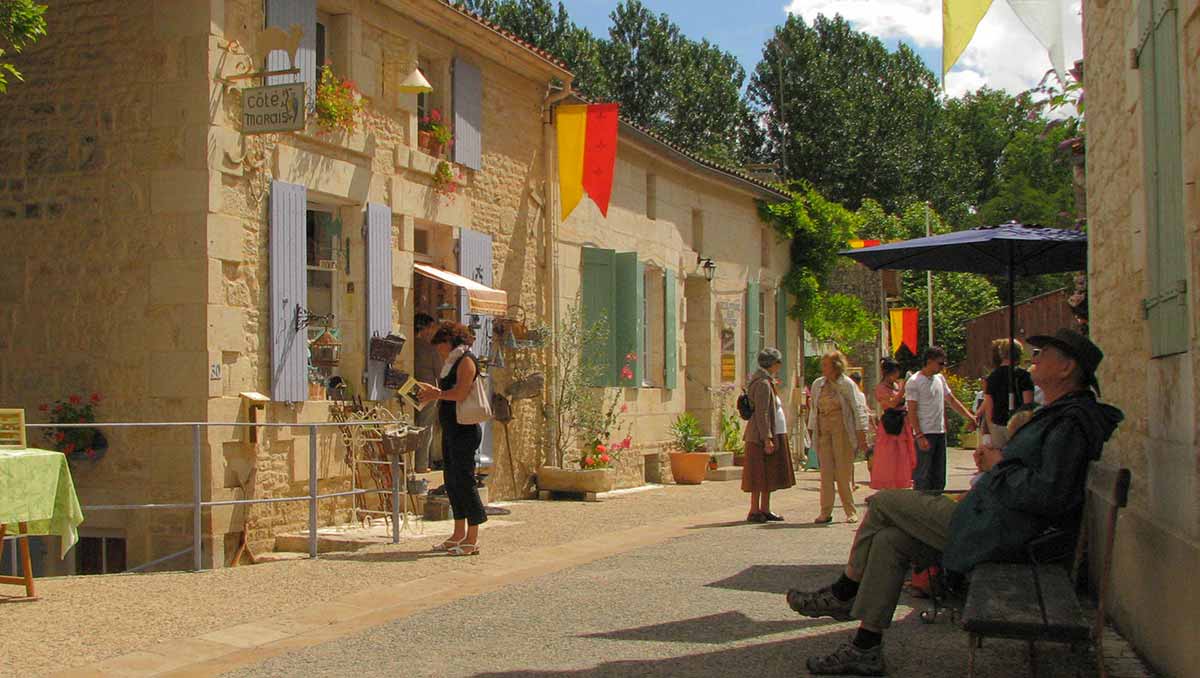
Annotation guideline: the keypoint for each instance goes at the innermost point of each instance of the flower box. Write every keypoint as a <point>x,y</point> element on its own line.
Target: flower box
<point>552,479</point>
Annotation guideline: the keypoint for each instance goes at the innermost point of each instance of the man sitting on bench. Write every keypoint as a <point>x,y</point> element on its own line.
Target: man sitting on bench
<point>1036,482</point>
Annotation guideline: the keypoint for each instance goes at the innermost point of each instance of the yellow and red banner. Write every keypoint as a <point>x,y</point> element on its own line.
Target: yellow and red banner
<point>904,329</point>
<point>859,244</point>
<point>587,154</point>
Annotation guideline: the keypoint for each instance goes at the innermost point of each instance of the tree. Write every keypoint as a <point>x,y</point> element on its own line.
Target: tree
<point>852,118</point>
<point>22,23</point>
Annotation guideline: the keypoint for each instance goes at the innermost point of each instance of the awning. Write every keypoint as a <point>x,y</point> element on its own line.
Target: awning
<point>481,299</point>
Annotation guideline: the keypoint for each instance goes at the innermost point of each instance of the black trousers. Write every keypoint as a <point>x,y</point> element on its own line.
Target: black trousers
<point>458,459</point>
<point>930,473</point>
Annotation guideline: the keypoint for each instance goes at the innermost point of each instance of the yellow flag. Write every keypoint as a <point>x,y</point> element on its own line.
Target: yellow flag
<point>959,20</point>
<point>896,328</point>
<point>572,131</point>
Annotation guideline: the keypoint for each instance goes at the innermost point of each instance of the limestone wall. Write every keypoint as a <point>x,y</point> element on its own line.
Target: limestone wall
<point>1159,535</point>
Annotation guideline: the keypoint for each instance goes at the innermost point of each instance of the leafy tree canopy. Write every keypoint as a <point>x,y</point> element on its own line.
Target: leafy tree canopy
<point>22,22</point>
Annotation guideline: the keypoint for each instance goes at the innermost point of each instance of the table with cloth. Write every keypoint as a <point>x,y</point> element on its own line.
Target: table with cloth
<point>37,497</point>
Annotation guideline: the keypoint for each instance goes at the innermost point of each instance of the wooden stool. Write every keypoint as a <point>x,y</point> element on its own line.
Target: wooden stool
<point>23,541</point>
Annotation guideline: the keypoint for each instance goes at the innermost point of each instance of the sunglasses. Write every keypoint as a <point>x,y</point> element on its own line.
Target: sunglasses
<point>1035,353</point>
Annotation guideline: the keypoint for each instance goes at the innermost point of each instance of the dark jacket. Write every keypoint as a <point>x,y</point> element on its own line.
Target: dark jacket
<point>1038,484</point>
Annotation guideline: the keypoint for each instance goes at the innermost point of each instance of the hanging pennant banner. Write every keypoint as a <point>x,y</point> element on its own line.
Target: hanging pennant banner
<point>960,18</point>
<point>587,154</point>
<point>904,328</point>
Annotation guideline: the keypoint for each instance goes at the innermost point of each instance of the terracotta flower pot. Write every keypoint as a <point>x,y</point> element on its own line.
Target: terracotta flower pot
<point>689,468</point>
<point>436,147</point>
<point>423,139</point>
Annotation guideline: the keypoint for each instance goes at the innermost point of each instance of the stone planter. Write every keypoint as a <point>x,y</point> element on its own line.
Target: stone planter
<point>689,468</point>
<point>551,479</point>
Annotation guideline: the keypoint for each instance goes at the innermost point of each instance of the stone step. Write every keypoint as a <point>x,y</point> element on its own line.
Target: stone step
<point>724,473</point>
<point>723,458</point>
<point>280,556</point>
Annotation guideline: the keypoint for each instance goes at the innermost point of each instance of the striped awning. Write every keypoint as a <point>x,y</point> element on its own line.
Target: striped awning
<point>481,299</point>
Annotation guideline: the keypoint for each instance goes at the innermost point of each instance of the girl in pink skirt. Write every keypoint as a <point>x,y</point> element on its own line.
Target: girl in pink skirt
<point>895,455</point>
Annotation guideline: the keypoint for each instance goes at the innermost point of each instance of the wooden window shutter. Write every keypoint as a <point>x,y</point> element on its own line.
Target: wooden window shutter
<point>753,331</point>
<point>468,114</point>
<point>1158,63</point>
<point>599,307</point>
<point>628,327</point>
<point>379,290</point>
<point>671,335</point>
<point>781,330</point>
<point>283,14</point>
<point>289,292</point>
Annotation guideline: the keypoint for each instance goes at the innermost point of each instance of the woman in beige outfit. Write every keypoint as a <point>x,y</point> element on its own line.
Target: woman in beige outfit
<point>768,465</point>
<point>838,424</point>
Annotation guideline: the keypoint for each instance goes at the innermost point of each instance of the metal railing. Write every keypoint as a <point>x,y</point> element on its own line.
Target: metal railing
<point>197,505</point>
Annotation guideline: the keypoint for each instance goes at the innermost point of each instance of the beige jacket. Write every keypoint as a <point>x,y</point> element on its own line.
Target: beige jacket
<point>854,410</point>
<point>762,394</point>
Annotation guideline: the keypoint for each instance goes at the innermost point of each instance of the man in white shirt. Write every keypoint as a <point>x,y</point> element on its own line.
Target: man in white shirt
<point>926,394</point>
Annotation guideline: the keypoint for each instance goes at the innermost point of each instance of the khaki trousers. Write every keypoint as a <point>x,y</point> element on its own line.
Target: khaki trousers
<point>902,527</point>
<point>835,452</point>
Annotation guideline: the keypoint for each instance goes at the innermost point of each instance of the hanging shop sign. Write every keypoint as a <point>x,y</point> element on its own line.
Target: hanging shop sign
<point>273,108</point>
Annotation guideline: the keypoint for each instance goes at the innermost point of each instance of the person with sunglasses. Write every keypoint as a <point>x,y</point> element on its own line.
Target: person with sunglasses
<point>926,395</point>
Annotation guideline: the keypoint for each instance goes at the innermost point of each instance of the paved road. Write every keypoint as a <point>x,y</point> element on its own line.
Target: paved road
<point>707,604</point>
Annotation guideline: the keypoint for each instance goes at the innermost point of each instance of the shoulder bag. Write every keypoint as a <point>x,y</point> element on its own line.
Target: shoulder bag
<point>476,408</point>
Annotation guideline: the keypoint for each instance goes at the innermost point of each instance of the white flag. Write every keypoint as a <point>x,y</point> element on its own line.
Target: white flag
<point>1045,19</point>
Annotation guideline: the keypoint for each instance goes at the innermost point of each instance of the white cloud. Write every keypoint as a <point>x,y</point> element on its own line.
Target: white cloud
<point>1002,55</point>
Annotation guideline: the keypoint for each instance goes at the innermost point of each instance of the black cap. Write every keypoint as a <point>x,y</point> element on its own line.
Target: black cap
<point>1076,346</point>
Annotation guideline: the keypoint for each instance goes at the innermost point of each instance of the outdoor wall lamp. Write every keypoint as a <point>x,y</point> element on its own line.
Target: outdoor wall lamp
<point>414,82</point>
<point>707,266</point>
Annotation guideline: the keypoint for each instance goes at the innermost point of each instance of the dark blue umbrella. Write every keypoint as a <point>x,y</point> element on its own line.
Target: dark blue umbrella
<point>1008,250</point>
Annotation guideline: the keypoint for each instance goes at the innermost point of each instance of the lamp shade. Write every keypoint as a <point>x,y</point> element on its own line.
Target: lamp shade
<point>415,83</point>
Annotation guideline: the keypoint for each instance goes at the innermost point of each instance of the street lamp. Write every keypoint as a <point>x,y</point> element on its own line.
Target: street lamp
<point>707,266</point>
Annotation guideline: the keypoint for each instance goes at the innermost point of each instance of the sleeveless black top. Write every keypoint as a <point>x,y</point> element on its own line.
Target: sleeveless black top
<point>448,409</point>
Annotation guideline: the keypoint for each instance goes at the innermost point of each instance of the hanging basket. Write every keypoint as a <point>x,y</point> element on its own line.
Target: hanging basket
<point>392,378</point>
<point>386,349</point>
<point>398,440</point>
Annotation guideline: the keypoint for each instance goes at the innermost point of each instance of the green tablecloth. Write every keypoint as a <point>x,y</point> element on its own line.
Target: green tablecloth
<point>36,488</point>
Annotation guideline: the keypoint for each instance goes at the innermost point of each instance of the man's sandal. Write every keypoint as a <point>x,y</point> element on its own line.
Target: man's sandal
<point>820,603</point>
<point>464,550</point>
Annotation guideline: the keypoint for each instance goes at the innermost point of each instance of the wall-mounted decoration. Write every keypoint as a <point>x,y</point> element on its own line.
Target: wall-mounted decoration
<point>273,108</point>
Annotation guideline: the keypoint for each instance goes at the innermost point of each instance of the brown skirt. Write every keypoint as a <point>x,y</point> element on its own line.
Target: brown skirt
<point>768,472</point>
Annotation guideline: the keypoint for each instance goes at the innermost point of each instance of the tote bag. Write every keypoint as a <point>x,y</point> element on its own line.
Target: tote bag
<point>476,408</point>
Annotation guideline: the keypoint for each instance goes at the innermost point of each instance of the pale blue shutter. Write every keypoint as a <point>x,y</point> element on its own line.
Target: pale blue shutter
<point>468,114</point>
<point>671,333</point>
<point>627,325</point>
<point>289,292</point>
<point>781,330</point>
<point>1158,62</point>
<point>599,309</point>
<point>284,14</point>
<point>379,290</point>
<point>475,262</point>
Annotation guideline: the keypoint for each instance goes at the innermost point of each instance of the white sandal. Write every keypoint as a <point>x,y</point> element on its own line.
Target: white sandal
<point>447,545</point>
<point>464,550</point>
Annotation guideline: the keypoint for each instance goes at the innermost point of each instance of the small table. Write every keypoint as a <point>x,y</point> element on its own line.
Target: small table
<point>37,497</point>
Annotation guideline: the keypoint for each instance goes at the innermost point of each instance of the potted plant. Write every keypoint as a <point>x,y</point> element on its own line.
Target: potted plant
<point>337,102</point>
<point>729,438</point>
<point>77,443</point>
<point>445,180</point>
<point>689,459</point>
<point>434,134</point>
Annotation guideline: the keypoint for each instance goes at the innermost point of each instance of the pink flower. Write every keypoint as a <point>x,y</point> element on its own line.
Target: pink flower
<point>435,115</point>
<point>604,458</point>
<point>91,454</point>
<point>601,448</point>
<point>624,408</point>
<point>626,373</point>
<point>69,448</point>
<point>627,442</point>
<point>631,357</point>
<point>588,461</point>
<point>75,400</point>
<point>58,437</point>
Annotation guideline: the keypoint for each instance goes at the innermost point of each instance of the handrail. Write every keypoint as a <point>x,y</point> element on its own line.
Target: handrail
<point>198,505</point>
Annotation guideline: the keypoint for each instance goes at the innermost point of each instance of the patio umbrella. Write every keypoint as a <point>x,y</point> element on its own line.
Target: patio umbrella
<point>1008,250</point>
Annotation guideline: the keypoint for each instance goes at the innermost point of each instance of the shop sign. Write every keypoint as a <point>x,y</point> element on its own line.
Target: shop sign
<point>273,108</point>
<point>728,368</point>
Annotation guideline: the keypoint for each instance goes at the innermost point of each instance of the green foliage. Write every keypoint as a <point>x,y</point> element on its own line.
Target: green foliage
<point>22,23</point>
<point>686,435</point>
<point>336,103</point>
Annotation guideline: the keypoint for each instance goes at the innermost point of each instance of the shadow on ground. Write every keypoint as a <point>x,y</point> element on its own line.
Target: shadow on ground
<point>713,629</point>
<point>779,578</point>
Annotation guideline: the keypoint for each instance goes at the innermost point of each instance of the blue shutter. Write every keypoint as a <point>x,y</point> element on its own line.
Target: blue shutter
<point>753,331</point>
<point>628,325</point>
<point>379,290</point>
<point>284,14</point>
<point>468,114</point>
<point>289,292</point>
<point>599,308</point>
<point>781,330</point>
<point>671,332</point>
<point>475,262</point>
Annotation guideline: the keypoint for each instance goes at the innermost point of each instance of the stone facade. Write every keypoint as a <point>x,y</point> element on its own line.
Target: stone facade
<point>142,267</point>
<point>1158,539</point>
<point>672,209</point>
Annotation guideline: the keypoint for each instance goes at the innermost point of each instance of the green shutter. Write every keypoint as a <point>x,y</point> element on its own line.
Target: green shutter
<point>599,308</point>
<point>628,328</point>
<point>781,330</point>
<point>753,331</point>
<point>1166,260</point>
<point>671,333</point>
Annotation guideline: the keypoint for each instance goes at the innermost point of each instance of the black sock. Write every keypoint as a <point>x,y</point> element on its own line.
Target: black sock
<point>845,588</point>
<point>865,640</point>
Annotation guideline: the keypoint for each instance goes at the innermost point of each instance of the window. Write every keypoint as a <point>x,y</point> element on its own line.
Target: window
<point>100,555</point>
<point>421,241</point>
<point>322,49</point>
<point>1166,307</point>
<point>323,236</point>
<point>651,196</point>
<point>698,231</point>
<point>654,320</point>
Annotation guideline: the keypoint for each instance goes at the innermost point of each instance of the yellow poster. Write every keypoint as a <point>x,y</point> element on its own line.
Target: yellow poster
<point>729,368</point>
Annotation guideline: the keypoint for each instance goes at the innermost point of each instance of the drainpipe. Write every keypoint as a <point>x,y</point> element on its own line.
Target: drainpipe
<point>550,218</point>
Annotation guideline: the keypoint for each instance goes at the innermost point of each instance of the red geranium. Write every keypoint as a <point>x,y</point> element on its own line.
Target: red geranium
<point>44,407</point>
<point>588,461</point>
<point>95,397</point>
<point>627,442</point>
<point>69,448</point>
<point>626,373</point>
<point>601,448</point>
<point>75,399</point>
<point>604,458</point>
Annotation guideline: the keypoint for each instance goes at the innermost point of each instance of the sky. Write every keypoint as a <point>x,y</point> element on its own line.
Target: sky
<point>1003,54</point>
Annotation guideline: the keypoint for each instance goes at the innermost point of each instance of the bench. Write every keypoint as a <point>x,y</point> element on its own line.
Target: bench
<point>1037,602</point>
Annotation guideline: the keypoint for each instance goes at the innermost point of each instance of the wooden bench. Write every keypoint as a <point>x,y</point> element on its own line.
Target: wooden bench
<point>1037,602</point>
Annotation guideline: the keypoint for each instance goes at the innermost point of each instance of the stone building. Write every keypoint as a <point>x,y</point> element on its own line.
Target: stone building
<point>158,255</point>
<point>1143,164</point>
<point>641,267</point>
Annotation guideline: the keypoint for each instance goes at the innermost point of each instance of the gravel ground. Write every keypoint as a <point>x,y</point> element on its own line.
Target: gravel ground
<point>88,619</point>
